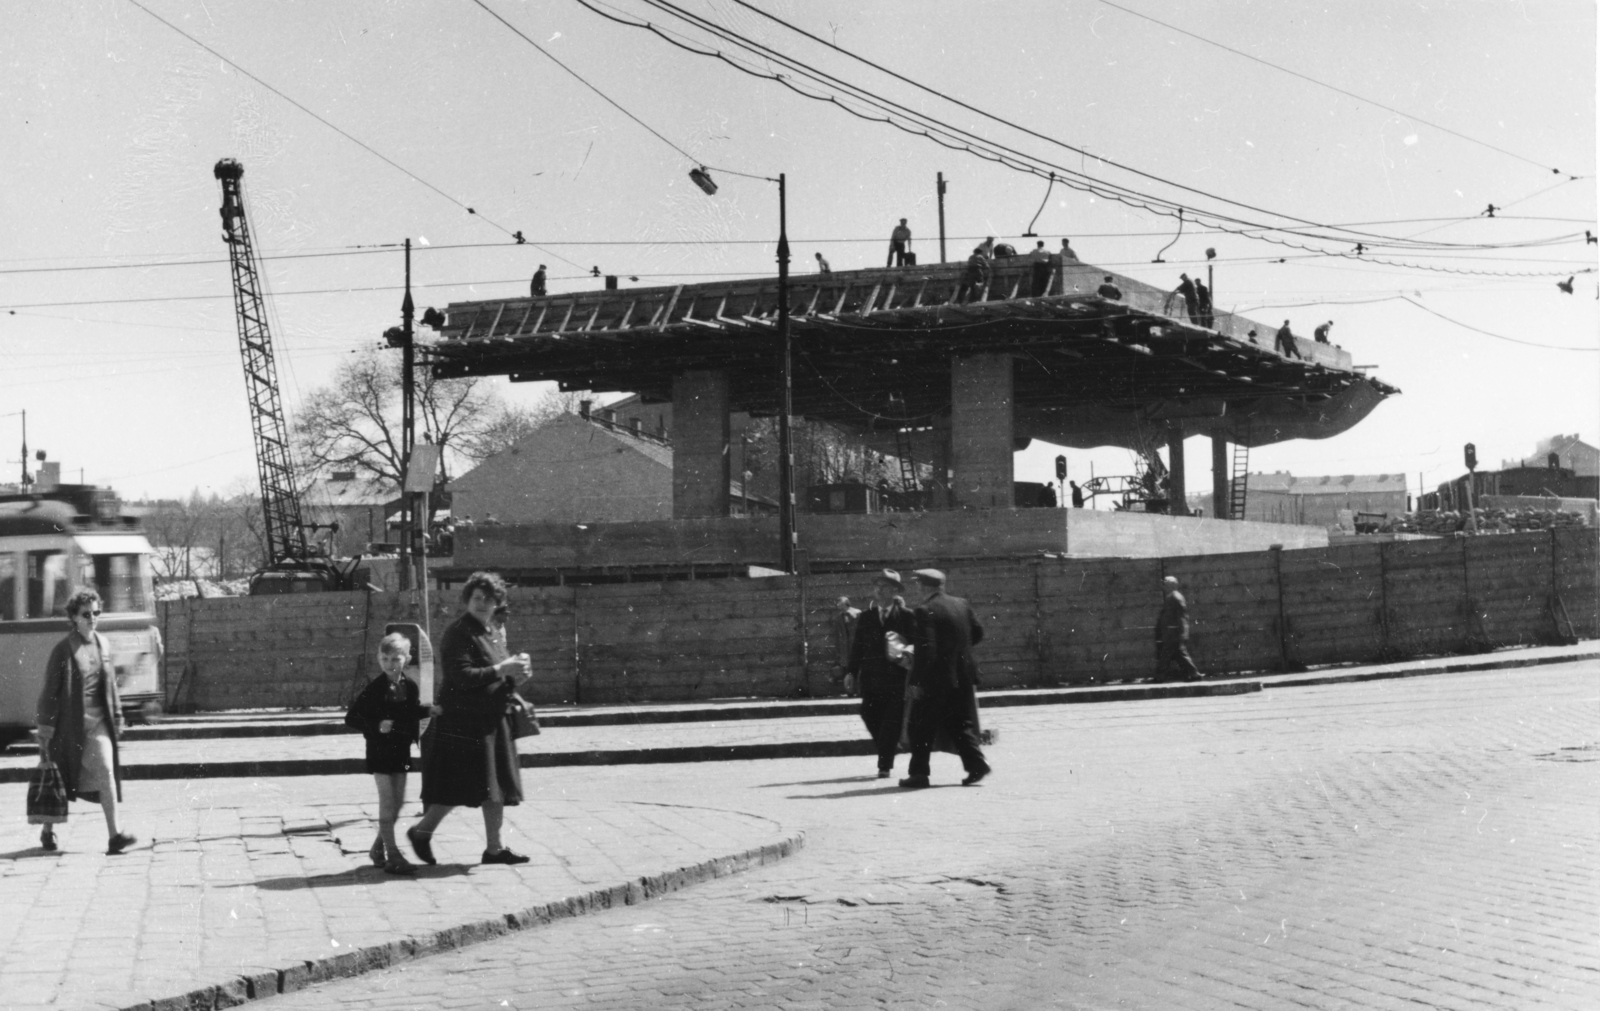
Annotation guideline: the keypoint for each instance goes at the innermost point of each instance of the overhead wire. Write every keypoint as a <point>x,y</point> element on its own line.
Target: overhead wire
<point>471,211</point>
<point>1320,84</point>
<point>794,63</point>
<point>1008,158</point>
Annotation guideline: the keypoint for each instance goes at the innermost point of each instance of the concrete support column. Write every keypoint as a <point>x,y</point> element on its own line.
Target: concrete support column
<point>1221,478</point>
<point>981,409</point>
<point>700,435</point>
<point>1178,501</point>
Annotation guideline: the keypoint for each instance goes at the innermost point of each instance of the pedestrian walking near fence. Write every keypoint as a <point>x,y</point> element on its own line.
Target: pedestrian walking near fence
<point>1172,634</point>
<point>469,756</point>
<point>80,720</point>
<point>1202,299</point>
<point>536,286</point>
<point>877,665</point>
<point>899,244</point>
<point>942,688</point>
<point>389,715</point>
<point>822,265</point>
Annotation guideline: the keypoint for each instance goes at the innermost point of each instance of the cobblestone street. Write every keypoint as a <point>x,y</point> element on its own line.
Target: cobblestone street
<point>1426,843</point>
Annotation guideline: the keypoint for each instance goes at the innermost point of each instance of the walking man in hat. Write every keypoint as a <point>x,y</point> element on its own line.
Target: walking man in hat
<point>1172,634</point>
<point>943,685</point>
<point>877,668</point>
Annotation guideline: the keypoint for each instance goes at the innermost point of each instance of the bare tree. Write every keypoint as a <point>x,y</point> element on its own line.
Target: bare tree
<point>512,424</point>
<point>354,423</point>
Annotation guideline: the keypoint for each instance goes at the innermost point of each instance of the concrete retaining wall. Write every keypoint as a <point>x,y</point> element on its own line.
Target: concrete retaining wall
<point>1048,621</point>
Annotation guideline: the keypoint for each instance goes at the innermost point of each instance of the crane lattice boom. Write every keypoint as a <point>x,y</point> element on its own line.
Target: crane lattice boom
<point>286,532</point>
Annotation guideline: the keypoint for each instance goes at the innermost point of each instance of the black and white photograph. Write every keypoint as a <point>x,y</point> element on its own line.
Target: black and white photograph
<point>799,504</point>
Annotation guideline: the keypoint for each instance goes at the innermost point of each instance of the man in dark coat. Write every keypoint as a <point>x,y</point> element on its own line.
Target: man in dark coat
<point>1191,299</point>
<point>1285,342</point>
<point>1108,290</point>
<point>974,277</point>
<point>1172,634</point>
<point>882,680</point>
<point>943,685</point>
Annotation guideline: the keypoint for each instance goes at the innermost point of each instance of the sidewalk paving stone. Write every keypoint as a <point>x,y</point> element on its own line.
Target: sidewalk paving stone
<point>194,910</point>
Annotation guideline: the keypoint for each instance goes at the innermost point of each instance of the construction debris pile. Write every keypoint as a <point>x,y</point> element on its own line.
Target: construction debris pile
<point>1490,521</point>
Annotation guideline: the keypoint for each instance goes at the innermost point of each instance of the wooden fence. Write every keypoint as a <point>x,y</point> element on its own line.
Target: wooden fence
<point>1048,622</point>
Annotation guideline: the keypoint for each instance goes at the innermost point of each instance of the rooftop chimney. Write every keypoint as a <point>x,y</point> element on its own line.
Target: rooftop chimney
<point>610,417</point>
<point>583,408</point>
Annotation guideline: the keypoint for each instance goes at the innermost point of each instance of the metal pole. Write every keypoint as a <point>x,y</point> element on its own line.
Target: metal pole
<point>786,524</point>
<point>940,190</point>
<point>408,424</point>
<point>427,509</point>
<point>1211,285</point>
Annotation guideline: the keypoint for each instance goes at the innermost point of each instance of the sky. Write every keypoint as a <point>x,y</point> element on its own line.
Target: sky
<point>364,123</point>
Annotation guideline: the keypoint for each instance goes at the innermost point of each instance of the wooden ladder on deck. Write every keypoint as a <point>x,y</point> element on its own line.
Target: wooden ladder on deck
<point>1239,482</point>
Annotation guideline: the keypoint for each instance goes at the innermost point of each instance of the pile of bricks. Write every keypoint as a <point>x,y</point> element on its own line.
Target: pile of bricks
<point>1490,521</point>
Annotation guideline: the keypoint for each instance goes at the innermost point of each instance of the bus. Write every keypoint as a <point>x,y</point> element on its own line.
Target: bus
<point>50,547</point>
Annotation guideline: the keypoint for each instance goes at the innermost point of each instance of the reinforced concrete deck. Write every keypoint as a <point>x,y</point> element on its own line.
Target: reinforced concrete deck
<point>873,350</point>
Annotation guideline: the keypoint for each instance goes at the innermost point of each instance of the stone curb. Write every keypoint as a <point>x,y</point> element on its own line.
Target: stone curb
<point>845,706</point>
<point>271,982</point>
<point>817,749</point>
<point>1304,681</point>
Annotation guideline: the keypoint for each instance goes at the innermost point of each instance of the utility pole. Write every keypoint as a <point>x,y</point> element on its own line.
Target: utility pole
<point>940,190</point>
<point>408,425</point>
<point>786,501</point>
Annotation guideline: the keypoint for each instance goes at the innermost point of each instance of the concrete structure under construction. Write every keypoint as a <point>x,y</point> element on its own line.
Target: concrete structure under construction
<point>894,355</point>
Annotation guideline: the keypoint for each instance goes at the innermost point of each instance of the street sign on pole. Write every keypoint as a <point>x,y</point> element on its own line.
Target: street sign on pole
<point>424,468</point>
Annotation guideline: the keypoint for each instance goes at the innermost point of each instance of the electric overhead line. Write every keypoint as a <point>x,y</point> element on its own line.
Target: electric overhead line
<point>1556,240</point>
<point>1321,84</point>
<point>964,141</point>
<point>829,80</point>
<point>471,211</point>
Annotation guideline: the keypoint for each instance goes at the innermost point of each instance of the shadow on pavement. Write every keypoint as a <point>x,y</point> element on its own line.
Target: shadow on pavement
<point>357,876</point>
<point>820,782</point>
<point>872,792</point>
<point>31,851</point>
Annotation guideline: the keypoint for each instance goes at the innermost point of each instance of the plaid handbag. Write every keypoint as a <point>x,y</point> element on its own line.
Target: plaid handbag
<point>47,796</point>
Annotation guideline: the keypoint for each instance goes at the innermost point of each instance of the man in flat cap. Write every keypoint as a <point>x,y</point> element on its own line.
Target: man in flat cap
<point>876,665</point>
<point>1172,634</point>
<point>942,689</point>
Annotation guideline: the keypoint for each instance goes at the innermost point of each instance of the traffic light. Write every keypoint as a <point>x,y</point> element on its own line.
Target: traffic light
<point>1472,456</point>
<point>1061,468</point>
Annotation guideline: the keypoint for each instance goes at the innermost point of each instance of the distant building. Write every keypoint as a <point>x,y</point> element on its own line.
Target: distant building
<point>1317,501</point>
<point>578,469</point>
<point>1572,453</point>
<point>359,505</point>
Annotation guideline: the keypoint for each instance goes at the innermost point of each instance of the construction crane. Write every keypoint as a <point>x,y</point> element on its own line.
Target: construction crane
<point>291,565</point>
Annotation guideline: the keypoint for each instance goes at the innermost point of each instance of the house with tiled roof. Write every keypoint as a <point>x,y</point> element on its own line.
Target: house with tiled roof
<point>580,468</point>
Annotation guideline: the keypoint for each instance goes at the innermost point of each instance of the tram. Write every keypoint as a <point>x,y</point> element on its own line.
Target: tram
<point>49,547</point>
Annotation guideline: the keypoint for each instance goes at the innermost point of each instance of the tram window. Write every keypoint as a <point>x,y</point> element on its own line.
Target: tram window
<point>119,582</point>
<point>8,588</point>
<point>48,586</point>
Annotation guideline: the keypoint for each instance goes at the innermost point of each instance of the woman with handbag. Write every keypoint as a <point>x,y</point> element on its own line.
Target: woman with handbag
<point>80,719</point>
<point>469,756</point>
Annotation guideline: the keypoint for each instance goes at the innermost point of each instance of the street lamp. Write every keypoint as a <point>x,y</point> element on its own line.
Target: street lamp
<point>788,536</point>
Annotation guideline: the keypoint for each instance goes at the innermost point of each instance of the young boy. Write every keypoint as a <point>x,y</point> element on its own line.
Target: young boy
<point>388,714</point>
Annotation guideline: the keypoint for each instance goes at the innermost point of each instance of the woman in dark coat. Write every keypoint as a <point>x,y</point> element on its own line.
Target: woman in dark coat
<point>80,719</point>
<point>469,758</point>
